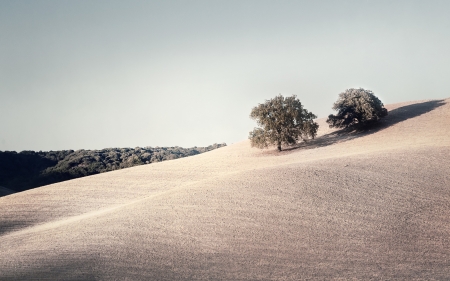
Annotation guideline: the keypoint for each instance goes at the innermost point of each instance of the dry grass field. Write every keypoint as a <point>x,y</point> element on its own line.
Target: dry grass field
<point>342,207</point>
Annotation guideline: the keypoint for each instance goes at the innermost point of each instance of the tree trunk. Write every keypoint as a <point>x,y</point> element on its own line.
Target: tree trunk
<point>279,146</point>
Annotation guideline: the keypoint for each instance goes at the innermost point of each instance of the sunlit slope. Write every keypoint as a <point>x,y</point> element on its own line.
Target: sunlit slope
<point>344,206</point>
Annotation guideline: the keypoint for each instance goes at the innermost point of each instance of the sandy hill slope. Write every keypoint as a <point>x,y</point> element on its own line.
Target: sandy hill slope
<point>345,206</point>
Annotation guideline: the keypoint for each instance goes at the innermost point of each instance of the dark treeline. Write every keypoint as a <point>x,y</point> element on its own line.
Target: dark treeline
<point>30,169</point>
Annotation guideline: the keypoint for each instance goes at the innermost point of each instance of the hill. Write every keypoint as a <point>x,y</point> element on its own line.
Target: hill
<point>30,169</point>
<point>345,206</point>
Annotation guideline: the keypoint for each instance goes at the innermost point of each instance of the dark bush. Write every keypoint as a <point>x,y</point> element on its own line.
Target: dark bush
<point>29,169</point>
<point>358,109</point>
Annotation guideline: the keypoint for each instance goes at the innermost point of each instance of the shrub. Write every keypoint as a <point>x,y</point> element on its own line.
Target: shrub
<point>357,108</point>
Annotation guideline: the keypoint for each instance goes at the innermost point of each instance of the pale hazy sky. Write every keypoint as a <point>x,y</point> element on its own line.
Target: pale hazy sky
<point>97,74</point>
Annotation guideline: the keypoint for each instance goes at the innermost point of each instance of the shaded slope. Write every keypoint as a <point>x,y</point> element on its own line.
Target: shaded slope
<point>375,206</point>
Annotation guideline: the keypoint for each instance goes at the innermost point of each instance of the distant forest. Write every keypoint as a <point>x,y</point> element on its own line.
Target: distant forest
<point>30,169</point>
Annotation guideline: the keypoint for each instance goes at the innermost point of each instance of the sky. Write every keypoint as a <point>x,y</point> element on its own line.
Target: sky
<point>100,74</point>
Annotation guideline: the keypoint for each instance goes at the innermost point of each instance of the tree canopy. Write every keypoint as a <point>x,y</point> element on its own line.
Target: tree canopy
<point>282,121</point>
<point>357,108</point>
<point>30,169</point>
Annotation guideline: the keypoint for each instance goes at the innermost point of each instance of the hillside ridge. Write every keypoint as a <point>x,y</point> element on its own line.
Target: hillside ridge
<point>370,205</point>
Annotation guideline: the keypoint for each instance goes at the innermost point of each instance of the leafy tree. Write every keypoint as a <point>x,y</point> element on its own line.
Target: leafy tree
<point>282,121</point>
<point>29,169</point>
<point>357,108</point>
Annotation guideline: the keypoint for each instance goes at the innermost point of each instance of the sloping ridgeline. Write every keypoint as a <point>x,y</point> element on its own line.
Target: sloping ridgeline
<point>30,169</point>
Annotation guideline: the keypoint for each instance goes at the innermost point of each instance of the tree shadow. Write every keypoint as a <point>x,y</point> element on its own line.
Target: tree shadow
<point>395,116</point>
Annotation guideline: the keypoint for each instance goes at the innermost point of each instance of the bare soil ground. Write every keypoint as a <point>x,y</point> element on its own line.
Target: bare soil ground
<point>346,205</point>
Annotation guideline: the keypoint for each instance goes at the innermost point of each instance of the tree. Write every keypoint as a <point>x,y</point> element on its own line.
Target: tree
<point>357,108</point>
<point>283,121</point>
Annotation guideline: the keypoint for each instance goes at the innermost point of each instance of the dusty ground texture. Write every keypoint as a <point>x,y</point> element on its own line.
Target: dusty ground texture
<point>345,206</point>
